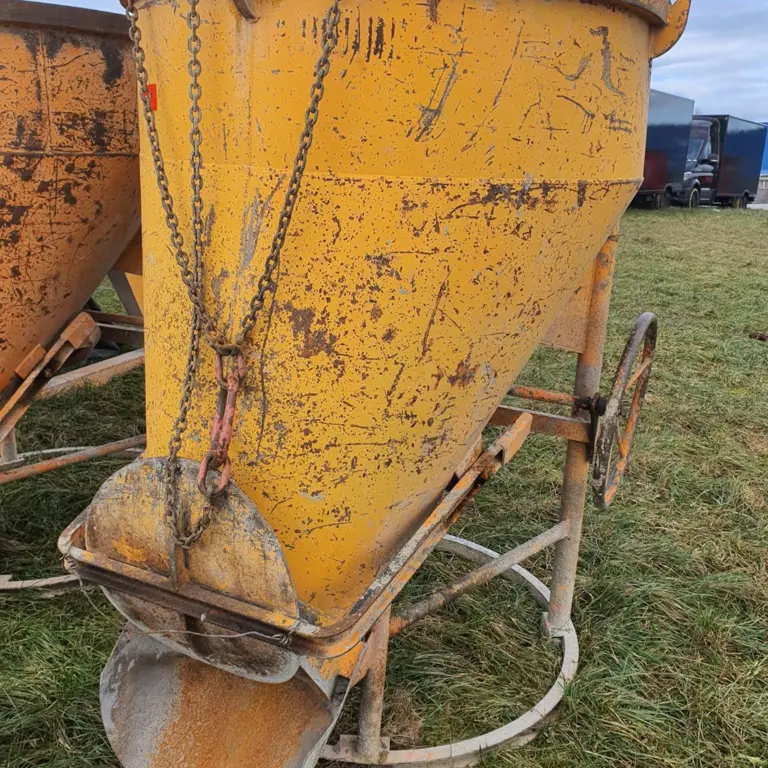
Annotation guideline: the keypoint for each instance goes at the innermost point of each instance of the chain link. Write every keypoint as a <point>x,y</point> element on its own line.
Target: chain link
<point>323,66</point>
<point>202,324</point>
<point>188,273</point>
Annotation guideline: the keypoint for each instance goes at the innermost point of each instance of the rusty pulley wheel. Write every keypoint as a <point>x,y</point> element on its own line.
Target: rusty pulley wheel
<point>622,411</point>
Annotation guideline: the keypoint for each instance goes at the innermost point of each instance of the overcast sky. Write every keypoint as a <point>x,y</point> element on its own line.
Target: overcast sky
<point>720,62</point>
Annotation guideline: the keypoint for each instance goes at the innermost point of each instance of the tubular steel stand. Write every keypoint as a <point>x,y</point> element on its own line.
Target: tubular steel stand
<point>583,429</point>
<point>577,462</point>
<point>362,749</point>
<point>14,466</point>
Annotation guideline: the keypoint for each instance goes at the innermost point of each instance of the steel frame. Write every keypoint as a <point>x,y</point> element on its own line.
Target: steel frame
<point>354,749</point>
<point>16,466</point>
<point>367,747</point>
<point>373,621</point>
<point>274,627</point>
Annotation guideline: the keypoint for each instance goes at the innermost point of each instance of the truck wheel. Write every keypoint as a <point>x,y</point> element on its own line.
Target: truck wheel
<point>694,198</point>
<point>662,200</point>
<point>740,202</point>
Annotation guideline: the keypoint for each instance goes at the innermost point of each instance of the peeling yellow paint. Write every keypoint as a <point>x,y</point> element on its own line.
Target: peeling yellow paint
<point>468,164</point>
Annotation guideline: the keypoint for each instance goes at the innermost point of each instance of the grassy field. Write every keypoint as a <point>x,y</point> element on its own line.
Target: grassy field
<point>672,598</point>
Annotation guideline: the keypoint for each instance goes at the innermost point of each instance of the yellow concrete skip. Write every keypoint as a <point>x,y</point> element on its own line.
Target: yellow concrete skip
<point>69,198</point>
<point>467,166</point>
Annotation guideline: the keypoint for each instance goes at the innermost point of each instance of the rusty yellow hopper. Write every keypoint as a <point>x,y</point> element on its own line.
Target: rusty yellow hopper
<point>331,329</point>
<point>69,203</point>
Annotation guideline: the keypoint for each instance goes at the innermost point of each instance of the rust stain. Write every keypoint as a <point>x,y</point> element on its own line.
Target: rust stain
<point>607,60</point>
<point>315,338</point>
<point>582,193</point>
<point>465,373</point>
<point>378,46</point>
<point>432,6</point>
<point>223,719</point>
<point>356,39</point>
<point>370,39</point>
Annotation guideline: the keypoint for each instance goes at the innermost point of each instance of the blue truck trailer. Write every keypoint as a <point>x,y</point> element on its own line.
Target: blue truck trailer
<point>666,149</point>
<point>725,155</point>
<point>764,171</point>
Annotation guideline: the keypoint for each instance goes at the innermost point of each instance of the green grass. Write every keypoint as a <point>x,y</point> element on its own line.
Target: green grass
<point>672,598</point>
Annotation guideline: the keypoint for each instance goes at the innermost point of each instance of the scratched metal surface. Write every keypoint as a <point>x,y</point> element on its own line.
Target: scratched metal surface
<point>468,164</point>
<point>69,200</point>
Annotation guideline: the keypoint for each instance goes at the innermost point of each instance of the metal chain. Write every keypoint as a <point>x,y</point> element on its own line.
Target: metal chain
<point>173,516</point>
<point>191,275</point>
<point>188,275</point>
<point>196,139</point>
<point>203,324</point>
<point>323,66</point>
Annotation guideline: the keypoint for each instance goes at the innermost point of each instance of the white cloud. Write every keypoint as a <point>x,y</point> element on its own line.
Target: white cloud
<point>720,60</point>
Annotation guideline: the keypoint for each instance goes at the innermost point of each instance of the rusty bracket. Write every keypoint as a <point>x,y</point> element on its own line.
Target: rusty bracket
<point>120,329</point>
<point>508,445</point>
<point>40,365</point>
<point>557,426</point>
<point>663,39</point>
<point>276,628</point>
<point>564,427</point>
<point>596,406</point>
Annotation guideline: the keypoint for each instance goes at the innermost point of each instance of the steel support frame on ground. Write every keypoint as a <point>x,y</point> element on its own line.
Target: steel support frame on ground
<point>18,466</point>
<point>368,747</point>
<point>14,466</point>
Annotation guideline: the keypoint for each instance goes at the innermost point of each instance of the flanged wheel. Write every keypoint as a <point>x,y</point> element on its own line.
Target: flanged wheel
<point>622,410</point>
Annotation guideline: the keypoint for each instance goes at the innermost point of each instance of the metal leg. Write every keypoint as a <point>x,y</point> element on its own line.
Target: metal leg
<point>369,744</point>
<point>31,470</point>
<point>521,730</point>
<point>8,452</point>
<point>576,479</point>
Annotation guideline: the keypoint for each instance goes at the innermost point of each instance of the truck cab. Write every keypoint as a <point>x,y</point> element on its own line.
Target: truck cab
<point>723,163</point>
<point>701,163</point>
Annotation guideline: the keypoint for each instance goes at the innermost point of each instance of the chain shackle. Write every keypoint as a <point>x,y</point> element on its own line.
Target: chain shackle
<point>217,457</point>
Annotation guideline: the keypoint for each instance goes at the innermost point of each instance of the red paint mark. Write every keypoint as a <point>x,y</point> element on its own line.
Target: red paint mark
<point>152,88</point>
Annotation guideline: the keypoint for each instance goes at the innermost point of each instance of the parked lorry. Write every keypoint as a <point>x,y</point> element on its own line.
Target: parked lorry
<point>666,149</point>
<point>725,155</point>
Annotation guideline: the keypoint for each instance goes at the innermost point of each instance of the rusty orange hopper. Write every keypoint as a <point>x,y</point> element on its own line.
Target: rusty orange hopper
<point>69,187</point>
